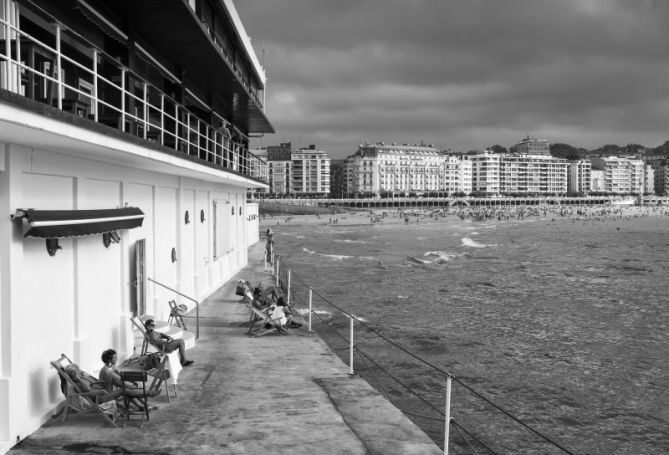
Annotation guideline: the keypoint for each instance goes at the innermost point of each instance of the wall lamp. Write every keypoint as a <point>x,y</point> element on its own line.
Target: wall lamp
<point>110,237</point>
<point>52,246</point>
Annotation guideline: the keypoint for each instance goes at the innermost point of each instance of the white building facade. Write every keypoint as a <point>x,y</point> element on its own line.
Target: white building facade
<point>398,169</point>
<point>579,177</point>
<point>77,151</point>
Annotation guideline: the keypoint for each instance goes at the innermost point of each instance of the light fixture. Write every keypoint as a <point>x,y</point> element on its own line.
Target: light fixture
<point>110,237</point>
<point>52,246</point>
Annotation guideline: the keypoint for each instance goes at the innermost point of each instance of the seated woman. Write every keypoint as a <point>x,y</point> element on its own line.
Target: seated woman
<point>110,376</point>
<point>89,385</point>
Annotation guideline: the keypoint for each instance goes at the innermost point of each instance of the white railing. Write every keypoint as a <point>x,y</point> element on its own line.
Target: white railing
<point>73,75</point>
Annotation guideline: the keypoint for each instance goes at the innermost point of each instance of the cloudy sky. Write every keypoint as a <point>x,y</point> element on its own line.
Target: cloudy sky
<point>462,74</point>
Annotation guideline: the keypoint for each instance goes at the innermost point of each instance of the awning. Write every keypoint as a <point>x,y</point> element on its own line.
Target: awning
<point>75,223</point>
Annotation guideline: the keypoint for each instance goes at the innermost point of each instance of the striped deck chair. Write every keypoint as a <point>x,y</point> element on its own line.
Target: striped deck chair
<point>79,401</point>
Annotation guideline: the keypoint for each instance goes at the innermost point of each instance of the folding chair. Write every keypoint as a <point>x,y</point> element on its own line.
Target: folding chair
<point>176,314</point>
<point>139,378</point>
<point>79,401</point>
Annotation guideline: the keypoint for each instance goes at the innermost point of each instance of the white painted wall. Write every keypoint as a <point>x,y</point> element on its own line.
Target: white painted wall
<point>79,301</point>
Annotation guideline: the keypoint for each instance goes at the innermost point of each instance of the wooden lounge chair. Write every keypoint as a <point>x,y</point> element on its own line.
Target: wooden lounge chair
<point>266,324</point>
<point>79,401</point>
<point>137,322</point>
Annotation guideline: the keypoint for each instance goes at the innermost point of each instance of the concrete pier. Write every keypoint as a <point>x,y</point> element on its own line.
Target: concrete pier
<point>276,394</point>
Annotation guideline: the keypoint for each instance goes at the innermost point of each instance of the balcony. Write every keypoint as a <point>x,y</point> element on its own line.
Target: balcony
<point>53,68</point>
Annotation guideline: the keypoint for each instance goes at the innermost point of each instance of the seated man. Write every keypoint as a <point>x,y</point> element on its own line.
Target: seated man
<point>283,314</point>
<point>160,339</point>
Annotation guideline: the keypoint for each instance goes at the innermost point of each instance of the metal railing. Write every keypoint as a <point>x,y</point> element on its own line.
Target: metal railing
<point>72,74</point>
<point>197,304</point>
<point>336,325</point>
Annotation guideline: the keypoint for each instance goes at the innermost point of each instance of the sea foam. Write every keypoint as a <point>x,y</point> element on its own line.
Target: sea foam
<point>466,241</point>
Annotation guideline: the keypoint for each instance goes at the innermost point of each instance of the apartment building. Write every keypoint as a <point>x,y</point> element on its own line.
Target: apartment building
<point>310,171</point>
<point>621,175</point>
<point>532,146</point>
<point>486,172</point>
<point>579,180</point>
<point>532,174</point>
<point>405,168</point>
<point>649,180</point>
<point>279,163</point>
<point>297,171</point>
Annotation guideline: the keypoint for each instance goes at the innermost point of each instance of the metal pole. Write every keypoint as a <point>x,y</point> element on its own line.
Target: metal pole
<point>288,290</point>
<point>94,100</point>
<point>350,355</point>
<point>278,274</point>
<point>447,415</point>
<point>59,73</point>
<point>310,295</point>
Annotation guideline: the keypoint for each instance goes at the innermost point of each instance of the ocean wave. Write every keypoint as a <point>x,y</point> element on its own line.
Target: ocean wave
<point>338,257</point>
<point>348,241</point>
<point>441,257</point>
<point>466,241</point>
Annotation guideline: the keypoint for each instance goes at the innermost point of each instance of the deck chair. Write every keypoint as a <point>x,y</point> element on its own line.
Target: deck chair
<point>176,314</point>
<point>137,322</point>
<point>266,324</point>
<point>79,401</point>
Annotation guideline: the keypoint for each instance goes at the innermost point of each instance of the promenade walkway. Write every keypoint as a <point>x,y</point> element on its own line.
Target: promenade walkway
<point>277,394</point>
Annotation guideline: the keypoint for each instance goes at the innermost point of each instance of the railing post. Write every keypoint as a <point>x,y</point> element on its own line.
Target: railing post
<point>145,111</point>
<point>94,101</point>
<point>8,47</point>
<point>447,414</point>
<point>350,354</point>
<point>277,275</point>
<point>123,99</point>
<point>59,63</point>
<point>310,296</point>
<point>288,289</point>
<point>162,119</point>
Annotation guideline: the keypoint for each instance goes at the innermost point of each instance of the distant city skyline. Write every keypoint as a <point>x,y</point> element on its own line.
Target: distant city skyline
<point>462,74</point>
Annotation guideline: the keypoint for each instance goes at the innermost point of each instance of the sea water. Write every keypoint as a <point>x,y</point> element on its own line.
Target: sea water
<point>562,323</point>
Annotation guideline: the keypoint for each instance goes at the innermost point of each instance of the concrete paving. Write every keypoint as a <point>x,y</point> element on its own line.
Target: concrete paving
<point>276,394</point>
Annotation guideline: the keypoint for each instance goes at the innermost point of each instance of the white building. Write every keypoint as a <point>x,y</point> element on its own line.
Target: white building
<point>579,177</point>
<point>621,175</point>
<point>377,168</point>
<point>649,179</point>
<point>532,146</point>
<point>597,180</point>
<point>485,173</point>
<point>157,156</point>
<point>310,171</point>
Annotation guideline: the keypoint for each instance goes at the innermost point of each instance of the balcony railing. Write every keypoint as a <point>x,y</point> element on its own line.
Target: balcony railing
<point>65,71</point>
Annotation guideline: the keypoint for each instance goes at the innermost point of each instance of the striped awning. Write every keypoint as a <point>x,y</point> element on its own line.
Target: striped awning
<point>75,223</point>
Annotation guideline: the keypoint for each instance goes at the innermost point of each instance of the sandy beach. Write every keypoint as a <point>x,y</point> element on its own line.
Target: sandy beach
<point>441,215</point>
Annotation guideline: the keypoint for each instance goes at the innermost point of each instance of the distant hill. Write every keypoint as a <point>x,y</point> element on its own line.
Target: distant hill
<point>570,152</point>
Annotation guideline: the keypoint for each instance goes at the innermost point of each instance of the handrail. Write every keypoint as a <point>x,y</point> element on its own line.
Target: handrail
<point>283,275</point>
<point>197,304</point>
<point>205,140</point>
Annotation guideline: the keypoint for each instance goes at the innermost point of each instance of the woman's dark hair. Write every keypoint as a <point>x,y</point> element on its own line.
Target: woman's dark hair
<point>107,355</point>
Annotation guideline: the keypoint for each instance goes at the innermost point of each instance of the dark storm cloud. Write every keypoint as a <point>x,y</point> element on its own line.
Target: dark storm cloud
<point>463,74</point>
